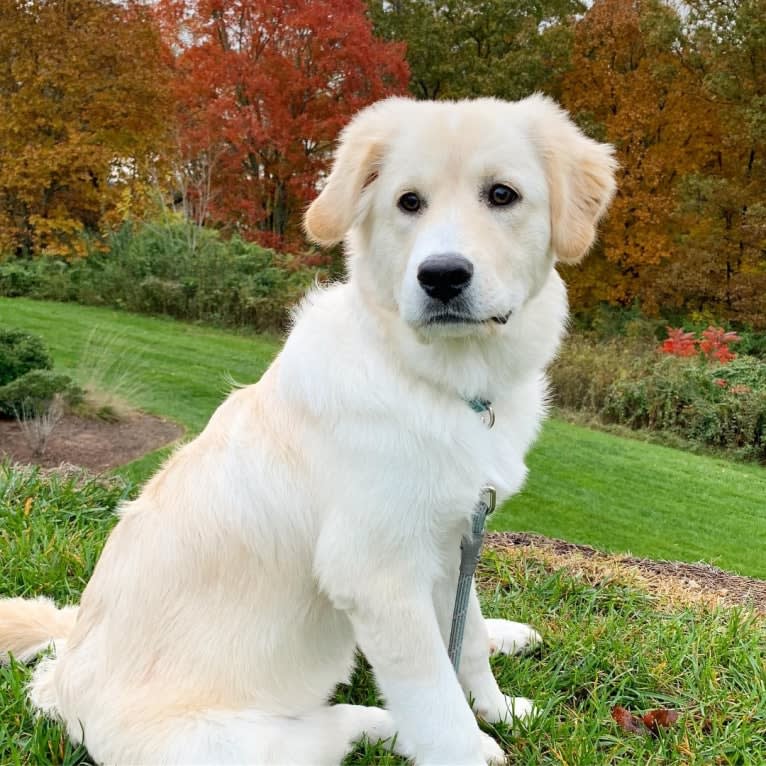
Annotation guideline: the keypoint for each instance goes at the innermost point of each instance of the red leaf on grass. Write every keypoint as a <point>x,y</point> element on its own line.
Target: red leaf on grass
<point>627,721</point>
<point>650,723</point>
<point>655,719</point>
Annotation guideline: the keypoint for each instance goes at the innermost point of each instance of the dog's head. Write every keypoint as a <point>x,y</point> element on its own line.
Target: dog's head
<point>456,211</point>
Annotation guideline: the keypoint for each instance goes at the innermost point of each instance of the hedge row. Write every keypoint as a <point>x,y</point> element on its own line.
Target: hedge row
<point>716,405</point>
<point>170,268</point>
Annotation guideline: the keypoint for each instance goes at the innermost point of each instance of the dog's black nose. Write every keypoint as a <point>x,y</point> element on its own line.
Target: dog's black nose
<point>444,276</point>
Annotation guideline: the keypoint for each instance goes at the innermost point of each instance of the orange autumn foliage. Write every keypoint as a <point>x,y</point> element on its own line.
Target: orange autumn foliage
<point>687,229</point>
<point>628,83</point>
<point>82,117</point>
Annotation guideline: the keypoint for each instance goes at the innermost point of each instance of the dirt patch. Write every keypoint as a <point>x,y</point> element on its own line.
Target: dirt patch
<point>93,444</point>
<point>671,580</point>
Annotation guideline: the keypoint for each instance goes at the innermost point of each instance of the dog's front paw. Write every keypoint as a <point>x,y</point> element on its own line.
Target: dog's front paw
<point>492,752</point>
<point>507,709</point>
<point>506,637</point>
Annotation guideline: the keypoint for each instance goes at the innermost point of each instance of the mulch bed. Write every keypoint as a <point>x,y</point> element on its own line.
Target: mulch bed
<point>93,444</point>
<point>697,581</point>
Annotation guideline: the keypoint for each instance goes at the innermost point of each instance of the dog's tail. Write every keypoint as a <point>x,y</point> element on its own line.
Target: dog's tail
<point>29,626</point>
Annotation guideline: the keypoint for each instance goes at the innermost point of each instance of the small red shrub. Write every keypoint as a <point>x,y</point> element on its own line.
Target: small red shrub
<point>714,345</point>
<point>679,343</point>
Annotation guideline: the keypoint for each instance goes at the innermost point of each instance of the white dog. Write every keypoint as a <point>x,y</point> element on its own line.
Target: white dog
<point>322,508</point>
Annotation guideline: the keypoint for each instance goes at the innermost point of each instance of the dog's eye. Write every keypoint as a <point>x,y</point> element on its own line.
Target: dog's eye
<point>410,202</point>
<point>500,195</point>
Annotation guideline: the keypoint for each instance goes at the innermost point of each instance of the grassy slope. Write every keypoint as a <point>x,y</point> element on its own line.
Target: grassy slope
<point>179,369</point>
<point>625,495</point>
<point>606,643</point>
<point>585,486</point>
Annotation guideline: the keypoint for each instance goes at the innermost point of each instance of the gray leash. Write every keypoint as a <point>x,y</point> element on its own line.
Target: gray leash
<point>470,548</point>
<point>469,558</point>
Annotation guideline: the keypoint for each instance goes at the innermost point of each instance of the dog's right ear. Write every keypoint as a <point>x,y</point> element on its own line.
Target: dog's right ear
<point>342,200</point>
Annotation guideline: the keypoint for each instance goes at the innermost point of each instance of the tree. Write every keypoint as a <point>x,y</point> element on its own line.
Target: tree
<point>721,215</point>
<point>682,99</point>
<point>83,116</point>
<point>263,87</point>
<point>469,48</point>
<point>628,85</point>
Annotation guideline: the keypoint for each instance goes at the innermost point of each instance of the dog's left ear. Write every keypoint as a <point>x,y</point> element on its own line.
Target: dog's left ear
<point>342,200</point>
<point>580,173</point>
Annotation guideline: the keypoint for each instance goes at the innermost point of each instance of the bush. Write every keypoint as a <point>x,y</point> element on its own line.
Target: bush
<point>742,371</point>
<point>172,268</point>
<point>21,352</point>
<point>716,405</point>
<point>585,370</point>
<point>17,279</point>
<point>753,344</point>
<point>32,393</point>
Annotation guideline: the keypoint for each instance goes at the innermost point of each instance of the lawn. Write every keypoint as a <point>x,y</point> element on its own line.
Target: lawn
<point>624,495</point>
<point>588,487</point>
<point>174,369</point>
<point>177,370</point>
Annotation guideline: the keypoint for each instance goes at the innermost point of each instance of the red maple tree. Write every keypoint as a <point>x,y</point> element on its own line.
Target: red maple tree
<point>263,87</point>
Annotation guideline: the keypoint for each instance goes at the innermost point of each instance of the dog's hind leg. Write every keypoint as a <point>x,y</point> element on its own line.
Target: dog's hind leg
<point>322,737</point>
<point>328,734</point>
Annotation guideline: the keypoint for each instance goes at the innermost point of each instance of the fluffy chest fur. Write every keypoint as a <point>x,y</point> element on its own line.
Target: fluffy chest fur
<point>389,415</point>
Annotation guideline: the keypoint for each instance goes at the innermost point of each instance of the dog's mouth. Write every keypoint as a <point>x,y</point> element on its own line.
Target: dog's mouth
<point>451,317</point>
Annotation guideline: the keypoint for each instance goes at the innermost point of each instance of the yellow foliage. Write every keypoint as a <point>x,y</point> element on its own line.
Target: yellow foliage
<point>84,112</point>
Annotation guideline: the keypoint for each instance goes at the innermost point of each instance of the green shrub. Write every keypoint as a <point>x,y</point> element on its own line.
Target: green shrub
<point>33,392</point>
<point>21,352</point>
<point>176,269</point>
<point>743,371</point>
<point>716,405</point>
<point>585,370</point>
<point>17,279</point>
<point>752,344</point>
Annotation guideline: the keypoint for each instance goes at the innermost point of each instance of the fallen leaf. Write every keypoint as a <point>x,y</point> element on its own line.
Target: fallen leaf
<point>28,506</point>
<point>627,721</point>
<point>655,719</point>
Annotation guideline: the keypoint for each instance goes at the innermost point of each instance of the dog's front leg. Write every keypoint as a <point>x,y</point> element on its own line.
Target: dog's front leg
<point>400,636</point>
<point>476,675</point>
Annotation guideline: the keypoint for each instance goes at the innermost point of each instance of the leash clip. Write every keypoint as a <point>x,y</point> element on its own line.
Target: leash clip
<point>488,416</point>
<point>489,498</point>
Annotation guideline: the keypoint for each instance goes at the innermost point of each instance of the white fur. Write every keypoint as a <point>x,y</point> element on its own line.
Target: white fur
<point>322,508</point>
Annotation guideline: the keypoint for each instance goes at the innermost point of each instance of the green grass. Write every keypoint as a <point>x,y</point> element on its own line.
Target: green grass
<point>179,369</point>
<point>617,494</point>
<point>624,495</point>
<point>176,370</point>
<point>606,643</point>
